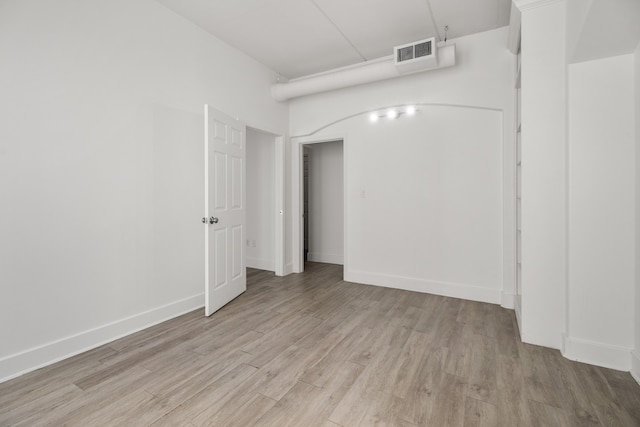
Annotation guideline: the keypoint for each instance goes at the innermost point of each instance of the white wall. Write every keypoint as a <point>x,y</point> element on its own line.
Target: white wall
<point>402,193</point>
<point>601,212</point>
<point>261,208</point>
<point>635,365</point>
<point>481,77</point>
<point>326,203</point>
<point>424,201</point>
<point>101,168</point>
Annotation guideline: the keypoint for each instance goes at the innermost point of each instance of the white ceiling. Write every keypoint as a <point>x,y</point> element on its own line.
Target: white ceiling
<point>610,28</point>
<point>302,37</point>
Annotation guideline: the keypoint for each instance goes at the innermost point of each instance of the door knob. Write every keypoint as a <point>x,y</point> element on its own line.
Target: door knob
<point>213,220</point>
<point>204,220</point>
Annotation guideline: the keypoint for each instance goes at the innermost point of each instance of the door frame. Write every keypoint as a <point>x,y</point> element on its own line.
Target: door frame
<point>279,194</point>
<point>279,190</point>
<point>297,199</point>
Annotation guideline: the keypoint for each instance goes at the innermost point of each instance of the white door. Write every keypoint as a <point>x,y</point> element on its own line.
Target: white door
<point>224,187</point>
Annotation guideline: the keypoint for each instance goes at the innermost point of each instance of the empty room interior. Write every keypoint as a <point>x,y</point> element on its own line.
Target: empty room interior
<point>320,212</point>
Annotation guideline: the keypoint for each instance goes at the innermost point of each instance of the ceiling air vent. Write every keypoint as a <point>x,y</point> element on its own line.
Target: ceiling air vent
<point>420,55</point>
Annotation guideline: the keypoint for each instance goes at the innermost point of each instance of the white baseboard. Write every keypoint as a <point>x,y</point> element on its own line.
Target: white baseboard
<point>635,365</point>
<point>288,269</point>
<point>594,353</point>
<point>517,307</point>
<point>29,360</point>
<point>261,264</point>
<point>508,300</point>
<point>447,289</point>
<point>326,258</point>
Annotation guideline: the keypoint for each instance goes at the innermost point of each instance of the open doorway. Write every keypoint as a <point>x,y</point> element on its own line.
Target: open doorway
<point>322,202</point>
<point>305,201</point>
<point>264,177</point>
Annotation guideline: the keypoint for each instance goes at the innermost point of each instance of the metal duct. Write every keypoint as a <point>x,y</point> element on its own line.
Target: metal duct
<point>367,72</point>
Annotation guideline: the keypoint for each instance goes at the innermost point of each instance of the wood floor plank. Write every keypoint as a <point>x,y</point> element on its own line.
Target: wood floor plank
<point>232,338</point>
<point>326,400</point>
<point>122,365</point>
<point>151,334</point>
<point>513,403</point>
<point>134,409</point>
<point>143,345</point>
<point>42,404</point>
<point>480,414</point>
<point>307,405</point>
<point>543,415</point>
<point>283,372</point>
<point>566,383</point>
<point>612,414</point>
<point>43,381</point>
<point>420,402</point>
<point>507,336</point>
<point>181,356</point>
<point>74,411</point>
<point>217,409</point>
<point>483,373</point>
<point>459,351</point>
<point>179,386</point>
<point>626,390</point>
<point>287,410</point>
<point>313,350</point>
<point>389,334</point>
<point>324,369</point>
<point>592,379</point>
<point>354,405</point>
<point>269,345</point>
<point>215,394</point>
<point>538,379</point>
<point>384,411</point>
<point>346,319</point>
<point>250,413</point>
<point>406,366</point>
<point>450,402</point>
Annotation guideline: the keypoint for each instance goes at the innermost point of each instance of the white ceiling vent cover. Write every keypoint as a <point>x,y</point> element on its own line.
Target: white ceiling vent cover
<point>420,55</point>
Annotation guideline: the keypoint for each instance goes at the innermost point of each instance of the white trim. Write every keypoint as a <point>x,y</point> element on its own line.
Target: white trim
<point>261,264</point>
<point>296,211</point>
<point>280,210</point>
<point>34,358</point>
<point>345,203</point>
<point>517,307</point>
<point>308,137</point>
<point>447,289</point>
<point>508,255</point>
<point>508,300</point>
<point>327,258</point>
<point>635,365</point>
<point>279,190</point>
<point>595,353</point>
<point>297,198</point>
<point>513,39</point>
<point>288,269</point>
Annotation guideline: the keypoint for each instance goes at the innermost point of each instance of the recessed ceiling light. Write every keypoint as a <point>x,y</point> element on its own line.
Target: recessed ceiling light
<point>392,114</point>
<point>373,117</point>
<point>410,110</point>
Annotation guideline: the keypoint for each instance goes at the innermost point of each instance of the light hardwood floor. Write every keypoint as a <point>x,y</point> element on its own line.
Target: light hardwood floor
<point>313,350</point>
